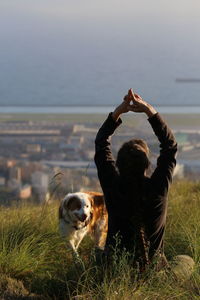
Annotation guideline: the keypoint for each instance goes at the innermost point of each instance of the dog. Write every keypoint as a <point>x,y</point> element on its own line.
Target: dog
<point>83,213</point>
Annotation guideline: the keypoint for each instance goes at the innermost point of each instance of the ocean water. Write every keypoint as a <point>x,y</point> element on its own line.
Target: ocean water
<point>86,54</point>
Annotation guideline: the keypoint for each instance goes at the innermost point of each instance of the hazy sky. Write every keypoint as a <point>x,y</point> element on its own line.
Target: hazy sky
<point>50,49</point>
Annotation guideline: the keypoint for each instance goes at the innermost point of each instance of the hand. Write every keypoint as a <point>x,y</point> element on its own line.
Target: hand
<point>139,105</point>
<point>122,108</point>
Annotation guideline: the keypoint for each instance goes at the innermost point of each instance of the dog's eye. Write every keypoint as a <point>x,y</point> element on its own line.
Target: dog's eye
<point>87,206</point>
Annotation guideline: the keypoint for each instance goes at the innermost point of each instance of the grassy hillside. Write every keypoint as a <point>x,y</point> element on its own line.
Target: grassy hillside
<point>34,262</point>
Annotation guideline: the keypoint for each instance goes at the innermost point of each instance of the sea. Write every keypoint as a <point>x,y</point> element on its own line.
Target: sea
<point>82,65</point>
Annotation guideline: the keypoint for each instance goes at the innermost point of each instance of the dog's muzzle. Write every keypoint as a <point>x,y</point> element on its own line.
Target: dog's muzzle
<point>81,218</point>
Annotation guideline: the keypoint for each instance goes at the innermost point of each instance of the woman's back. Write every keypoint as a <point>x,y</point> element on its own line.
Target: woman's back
<point>136,205</point>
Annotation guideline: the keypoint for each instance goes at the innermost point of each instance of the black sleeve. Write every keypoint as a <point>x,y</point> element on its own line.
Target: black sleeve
<point>103,156</point>
<point>166,162</point>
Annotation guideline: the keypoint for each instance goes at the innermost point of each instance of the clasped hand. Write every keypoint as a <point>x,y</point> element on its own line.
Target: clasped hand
<point>135,103</point>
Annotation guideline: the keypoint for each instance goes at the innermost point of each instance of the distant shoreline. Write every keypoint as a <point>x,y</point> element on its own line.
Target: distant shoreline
<point>89,109</point>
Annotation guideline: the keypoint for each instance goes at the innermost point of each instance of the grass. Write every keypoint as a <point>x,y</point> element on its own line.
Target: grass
<point>35,264</point>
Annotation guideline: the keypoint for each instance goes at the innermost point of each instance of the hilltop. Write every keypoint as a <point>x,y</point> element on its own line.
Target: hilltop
<point>34,263</point>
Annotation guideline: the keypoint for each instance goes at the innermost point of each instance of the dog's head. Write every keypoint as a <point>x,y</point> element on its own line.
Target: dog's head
<point>76,207</point>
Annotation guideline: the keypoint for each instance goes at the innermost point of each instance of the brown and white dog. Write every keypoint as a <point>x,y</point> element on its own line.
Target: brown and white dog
<point>83,213</point>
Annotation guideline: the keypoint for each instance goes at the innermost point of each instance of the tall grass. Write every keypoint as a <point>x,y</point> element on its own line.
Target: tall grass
<point>35,264</point>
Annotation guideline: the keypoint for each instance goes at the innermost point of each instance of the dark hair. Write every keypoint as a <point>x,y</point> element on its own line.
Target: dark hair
<point>132,158</point>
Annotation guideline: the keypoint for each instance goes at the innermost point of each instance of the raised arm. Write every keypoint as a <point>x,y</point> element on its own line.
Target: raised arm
<point>166,162</point>
<point>162,176</point>
<point>103,156</point>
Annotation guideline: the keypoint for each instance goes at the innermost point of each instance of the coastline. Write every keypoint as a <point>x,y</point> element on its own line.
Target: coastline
<point>89,109</point>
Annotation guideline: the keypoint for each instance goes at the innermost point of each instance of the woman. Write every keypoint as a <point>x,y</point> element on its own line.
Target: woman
<point>136,204</point>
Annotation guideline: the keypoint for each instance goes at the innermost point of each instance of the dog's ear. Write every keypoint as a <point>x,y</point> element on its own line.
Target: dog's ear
<point>63,204</point>
<point>72,203</point>
<point>98,200</point>
<point>67,203</point>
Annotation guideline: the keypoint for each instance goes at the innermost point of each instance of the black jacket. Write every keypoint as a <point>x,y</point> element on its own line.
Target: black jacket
<point>118,197</point>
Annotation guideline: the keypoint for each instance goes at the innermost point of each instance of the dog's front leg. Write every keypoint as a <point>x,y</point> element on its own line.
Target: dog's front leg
<point>76,258</point>
<point>71,245</point>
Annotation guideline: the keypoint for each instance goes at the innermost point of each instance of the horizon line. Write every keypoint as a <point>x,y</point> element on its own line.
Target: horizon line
<point>89,105</point>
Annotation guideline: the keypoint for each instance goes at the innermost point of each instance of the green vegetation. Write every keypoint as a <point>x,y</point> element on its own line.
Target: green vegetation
<point>35,264</point>
<point>175,120</point>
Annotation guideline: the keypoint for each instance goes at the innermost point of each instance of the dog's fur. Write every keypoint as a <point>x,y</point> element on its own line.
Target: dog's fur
<point>83,213</point>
